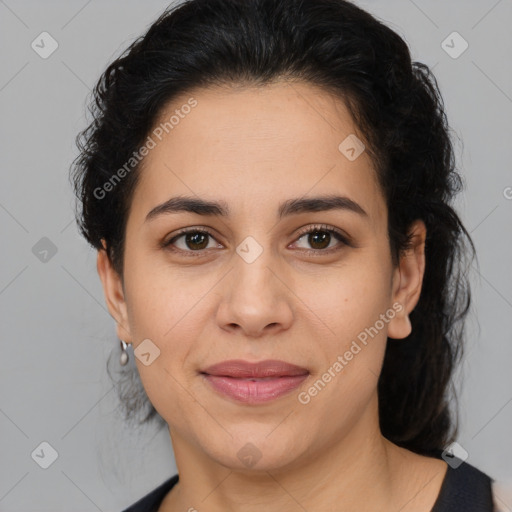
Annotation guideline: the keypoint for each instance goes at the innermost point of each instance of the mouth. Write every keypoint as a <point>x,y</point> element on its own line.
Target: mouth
<point>253,383</point>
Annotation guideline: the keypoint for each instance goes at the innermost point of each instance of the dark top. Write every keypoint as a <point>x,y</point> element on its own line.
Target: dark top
<point>464,489</point>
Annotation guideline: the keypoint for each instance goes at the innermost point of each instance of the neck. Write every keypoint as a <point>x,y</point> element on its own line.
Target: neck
<point>357,472</point>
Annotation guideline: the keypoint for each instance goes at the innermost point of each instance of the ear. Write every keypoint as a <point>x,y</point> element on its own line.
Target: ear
<point>408,280</point>
<point>114,294</point>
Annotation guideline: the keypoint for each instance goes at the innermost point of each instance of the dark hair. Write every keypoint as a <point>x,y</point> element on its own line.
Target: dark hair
<point>397,106</point>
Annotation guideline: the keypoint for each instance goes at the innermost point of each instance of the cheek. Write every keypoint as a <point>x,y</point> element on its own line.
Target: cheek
<point>349,361</point>
<point>347,301</point>
<point>162,299</point>
<point>165,311</point>
<point>352,319</point>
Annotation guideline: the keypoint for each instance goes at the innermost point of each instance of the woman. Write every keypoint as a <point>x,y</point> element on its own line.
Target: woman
<point>268,185</point>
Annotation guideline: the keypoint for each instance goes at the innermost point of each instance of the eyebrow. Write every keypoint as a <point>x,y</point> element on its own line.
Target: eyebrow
<point>287,208</point>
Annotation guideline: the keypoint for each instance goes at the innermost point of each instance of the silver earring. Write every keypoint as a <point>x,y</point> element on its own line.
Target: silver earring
<point>124,354</point>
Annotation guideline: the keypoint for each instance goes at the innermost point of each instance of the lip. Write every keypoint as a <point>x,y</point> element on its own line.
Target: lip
<point>240,369</point>
<point>258,382</point>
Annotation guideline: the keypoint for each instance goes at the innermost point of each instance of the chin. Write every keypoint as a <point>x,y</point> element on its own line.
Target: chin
<point>257,451</point>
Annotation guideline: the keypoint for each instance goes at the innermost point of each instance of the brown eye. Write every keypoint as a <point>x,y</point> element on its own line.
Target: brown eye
<point>189,241</point>
<point>196,240</point>
<point>319,239</point>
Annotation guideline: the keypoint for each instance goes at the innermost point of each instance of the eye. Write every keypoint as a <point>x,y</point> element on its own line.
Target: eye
<point>194,240</point>
<point>320,238</point>
<point>197,240</point>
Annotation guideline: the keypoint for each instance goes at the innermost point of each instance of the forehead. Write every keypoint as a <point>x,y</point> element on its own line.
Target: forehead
<point>252,144</point>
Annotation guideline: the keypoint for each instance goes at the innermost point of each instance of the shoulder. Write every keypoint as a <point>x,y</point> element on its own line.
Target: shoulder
<point>151,501</point>
<point>465,487</point>
<point>447,483</point>
<point>502,495</point>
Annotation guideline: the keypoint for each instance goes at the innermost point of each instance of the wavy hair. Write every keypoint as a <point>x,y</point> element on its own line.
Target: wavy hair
<point>397,107</point>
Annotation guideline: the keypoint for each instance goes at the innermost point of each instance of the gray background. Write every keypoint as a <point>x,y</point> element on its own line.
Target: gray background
<point>56,331</point>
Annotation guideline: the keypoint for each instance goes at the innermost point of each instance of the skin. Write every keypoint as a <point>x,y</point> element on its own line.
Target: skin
<point>255,148</point>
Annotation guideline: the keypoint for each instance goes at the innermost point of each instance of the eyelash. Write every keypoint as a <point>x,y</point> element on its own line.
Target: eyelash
<point>316,228</point>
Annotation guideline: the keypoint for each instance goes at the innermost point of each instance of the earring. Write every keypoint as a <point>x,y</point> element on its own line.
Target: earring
<point>124,354</point>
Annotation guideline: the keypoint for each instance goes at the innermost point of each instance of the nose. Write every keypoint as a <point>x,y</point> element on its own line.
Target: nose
<point>255,298</point>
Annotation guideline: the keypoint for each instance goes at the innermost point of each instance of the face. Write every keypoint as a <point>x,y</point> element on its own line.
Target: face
<point>281,275</point>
